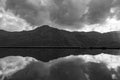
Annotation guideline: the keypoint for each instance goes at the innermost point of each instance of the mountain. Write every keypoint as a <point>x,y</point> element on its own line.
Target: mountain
<point>48,36</point>
<point>30,43</point>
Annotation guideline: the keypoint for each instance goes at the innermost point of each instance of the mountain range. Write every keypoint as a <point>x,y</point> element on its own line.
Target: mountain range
<point>47,36</point>
<point>46,43</point>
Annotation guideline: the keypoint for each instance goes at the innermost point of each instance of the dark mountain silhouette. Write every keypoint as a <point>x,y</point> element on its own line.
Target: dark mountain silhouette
<point>47,36</point>
<point>31,43</point>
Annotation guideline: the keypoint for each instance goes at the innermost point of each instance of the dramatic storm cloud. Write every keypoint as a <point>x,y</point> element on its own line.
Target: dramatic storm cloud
<point>68,12</point>
<point>98,10</point>
<point>63,14</point>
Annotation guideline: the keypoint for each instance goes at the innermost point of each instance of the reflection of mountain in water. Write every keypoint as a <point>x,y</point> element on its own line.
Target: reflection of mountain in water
<point>50,54</point>
<point>47,36</point>
<point>88,67</point>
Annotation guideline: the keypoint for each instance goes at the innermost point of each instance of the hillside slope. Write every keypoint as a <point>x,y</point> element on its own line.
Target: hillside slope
<point>47,36</point>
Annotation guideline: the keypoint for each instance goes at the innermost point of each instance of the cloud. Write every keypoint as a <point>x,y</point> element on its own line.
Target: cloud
<point>116,7</point>
<point>65,14</point>
<point>39,12</point>
<point>98,10</point>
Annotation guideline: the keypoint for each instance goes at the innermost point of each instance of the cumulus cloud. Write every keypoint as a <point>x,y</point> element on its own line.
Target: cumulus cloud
<point>64,14</point>
<point>98,10</point>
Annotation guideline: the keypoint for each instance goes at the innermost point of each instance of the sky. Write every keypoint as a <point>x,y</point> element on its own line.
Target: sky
<point>73,15</point>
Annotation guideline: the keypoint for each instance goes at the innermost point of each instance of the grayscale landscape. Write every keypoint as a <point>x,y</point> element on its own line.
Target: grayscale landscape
<point>59,39</point>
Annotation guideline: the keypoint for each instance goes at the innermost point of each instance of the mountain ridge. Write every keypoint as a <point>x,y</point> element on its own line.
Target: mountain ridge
<point>48,36</point>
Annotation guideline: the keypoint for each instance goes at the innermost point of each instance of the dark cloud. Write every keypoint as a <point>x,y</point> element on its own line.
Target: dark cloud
<point>116,3</point>
<point>69,12</point>
<point>99,10</point>
<point>30,13</point>
<point>116,7</point>
<point>61,14</point>
<point>65,13</point>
